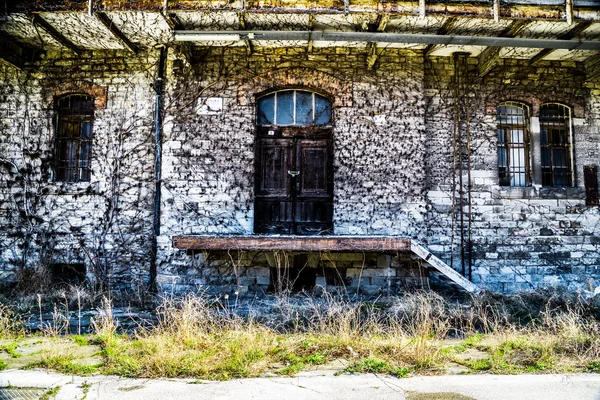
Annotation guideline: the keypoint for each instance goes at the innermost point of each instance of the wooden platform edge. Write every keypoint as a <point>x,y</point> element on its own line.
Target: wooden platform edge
<point>444,268</point>
<point>292,243</point>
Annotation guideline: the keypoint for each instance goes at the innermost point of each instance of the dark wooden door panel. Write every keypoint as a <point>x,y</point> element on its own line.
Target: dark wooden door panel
<point>314,217</point>
<point>274,158</point>
<point>273,216</point>
<point>294,184</point>
<point>314,162</point>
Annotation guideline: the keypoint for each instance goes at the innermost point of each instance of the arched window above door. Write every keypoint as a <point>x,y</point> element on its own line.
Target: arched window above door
<point>293,108</point>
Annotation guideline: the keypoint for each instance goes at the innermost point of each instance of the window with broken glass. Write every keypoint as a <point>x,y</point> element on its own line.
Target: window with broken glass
<point>556,145</point>
<point>513,144</point>
<point>294,107</point>
<point>73,147</point>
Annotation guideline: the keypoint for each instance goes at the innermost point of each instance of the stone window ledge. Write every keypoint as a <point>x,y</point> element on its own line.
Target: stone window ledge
<point>70,188</point>
<point>538,192</point>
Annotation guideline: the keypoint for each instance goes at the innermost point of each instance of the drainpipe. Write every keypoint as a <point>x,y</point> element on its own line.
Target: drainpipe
<point>158,129</point>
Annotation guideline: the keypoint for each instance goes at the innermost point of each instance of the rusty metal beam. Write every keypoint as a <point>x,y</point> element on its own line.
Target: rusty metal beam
<point>573,32</point>
<point>444,29</point>
<point>292,243</point>
<point>116,32</point>
<point>489,57</point>
<point>438,8</point>
<point>56,35</point>
<point>460,40</point>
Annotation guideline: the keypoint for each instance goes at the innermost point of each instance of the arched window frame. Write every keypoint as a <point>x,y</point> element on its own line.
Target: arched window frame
<point>557,170</point>
<point>513,149</point>
<point>73,137</point>
<point>275,120</point>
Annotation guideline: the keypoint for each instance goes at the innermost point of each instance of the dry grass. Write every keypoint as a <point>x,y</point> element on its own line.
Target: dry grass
<point>11,325</point>
<point>196,337</point>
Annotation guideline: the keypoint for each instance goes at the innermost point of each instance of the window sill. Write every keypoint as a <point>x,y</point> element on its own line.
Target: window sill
<point>538,192</point>
<point>71,188</point>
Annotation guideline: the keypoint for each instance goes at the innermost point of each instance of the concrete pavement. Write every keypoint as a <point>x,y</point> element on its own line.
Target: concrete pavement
<point>311,385</point>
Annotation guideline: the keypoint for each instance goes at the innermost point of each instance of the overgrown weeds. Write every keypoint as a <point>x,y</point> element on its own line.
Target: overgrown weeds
<point>11,325</point>
<point>197,336</point>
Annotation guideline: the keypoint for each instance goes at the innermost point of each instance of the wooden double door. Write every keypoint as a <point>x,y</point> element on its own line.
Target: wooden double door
<point>294,181</point>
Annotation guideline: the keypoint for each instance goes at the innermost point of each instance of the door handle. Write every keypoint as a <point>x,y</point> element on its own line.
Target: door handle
<point>293,173</point>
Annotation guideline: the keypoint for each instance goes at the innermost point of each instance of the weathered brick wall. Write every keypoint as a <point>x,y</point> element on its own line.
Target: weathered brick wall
<point>523,238</point>
<point>208,164</point>
<point>392,177</point>
<point>105,223</point>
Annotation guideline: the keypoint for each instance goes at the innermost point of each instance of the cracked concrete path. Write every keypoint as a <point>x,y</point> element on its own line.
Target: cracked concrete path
<point>313,385</point>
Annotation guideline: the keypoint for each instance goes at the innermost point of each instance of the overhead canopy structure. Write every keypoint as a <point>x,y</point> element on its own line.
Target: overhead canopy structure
<point>566,30</point>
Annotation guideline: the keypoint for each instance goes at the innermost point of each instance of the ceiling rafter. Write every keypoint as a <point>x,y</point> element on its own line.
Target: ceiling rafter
<point>569,11</point>
<point>422,8</point>
<point>572,33</point>
<point>444,29</point>
<point>496,10</point>
<point>56,35</point>
<point>174,23</point>
<point>116,32</point>
<point>311,27</point>
<point>379,26</point>
<point>490,56</point>
<point>242,24</point>
<point>11,52</point>
<point>592,67</point>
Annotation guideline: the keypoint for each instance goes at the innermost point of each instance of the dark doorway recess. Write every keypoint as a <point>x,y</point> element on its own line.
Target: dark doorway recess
<point>294,168</point>
<point>68,273</point>
<point>296,277</point>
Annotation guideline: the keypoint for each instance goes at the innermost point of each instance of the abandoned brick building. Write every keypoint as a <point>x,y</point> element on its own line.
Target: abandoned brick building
<point>250,146</point>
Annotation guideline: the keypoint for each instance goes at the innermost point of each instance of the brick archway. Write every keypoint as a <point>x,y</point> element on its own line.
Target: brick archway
<point>535,100</point>
<point>339,90</point>
<point>79,87</point>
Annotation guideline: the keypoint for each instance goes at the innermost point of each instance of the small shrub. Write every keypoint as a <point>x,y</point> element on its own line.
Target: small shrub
<point>371,365</point>
<point>593,366</point>
<point>80,340</point>
<point>11,325</point>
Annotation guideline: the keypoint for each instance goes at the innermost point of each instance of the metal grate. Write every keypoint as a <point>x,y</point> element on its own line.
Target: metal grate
<point>75,114</point>
<point>20,394</point>
<point>555,143</point>
<point>513,144</point>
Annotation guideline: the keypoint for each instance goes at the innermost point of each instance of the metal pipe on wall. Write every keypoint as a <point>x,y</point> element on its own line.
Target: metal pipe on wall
<point>158,129</point>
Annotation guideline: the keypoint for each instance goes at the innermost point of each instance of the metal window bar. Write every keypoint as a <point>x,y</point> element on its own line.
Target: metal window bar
<point>556,145</point>
<point>513,144</point>
<point>74,135</point>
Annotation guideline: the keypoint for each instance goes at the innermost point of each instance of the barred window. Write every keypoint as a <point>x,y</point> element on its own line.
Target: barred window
<point>73,151</point>
<point>556,145</point>
<point>513,144</point>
